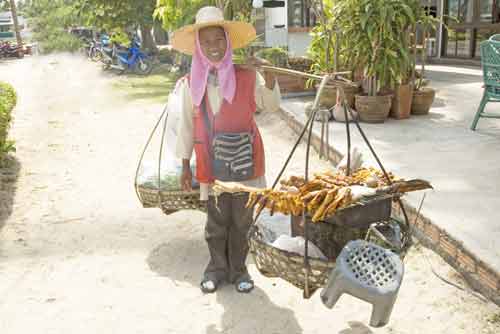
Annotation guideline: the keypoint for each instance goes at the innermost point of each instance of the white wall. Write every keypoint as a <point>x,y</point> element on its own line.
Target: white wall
<point>275,35</point>
<point>298,43</point>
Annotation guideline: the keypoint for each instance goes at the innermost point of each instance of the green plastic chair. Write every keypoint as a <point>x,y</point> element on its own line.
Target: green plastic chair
<point>490,62</point>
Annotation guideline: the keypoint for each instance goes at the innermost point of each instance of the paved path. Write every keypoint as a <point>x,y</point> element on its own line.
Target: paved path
<point>463,166</point>
<point>80,255</point>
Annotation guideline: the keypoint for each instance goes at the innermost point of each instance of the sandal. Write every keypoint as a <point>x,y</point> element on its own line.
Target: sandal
<point>208,286</point>
<point>244,286</point>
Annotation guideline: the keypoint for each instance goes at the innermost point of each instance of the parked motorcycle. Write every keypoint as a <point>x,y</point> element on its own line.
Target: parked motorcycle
<point>93,50</point>
<point>8,49</point>
<point>127,59</point>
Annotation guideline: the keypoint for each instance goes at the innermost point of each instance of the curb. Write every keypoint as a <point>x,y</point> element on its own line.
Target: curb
<point>478,274</point>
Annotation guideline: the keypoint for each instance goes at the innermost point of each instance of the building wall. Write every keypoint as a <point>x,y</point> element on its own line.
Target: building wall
<point>278,33</point>
<point>298,43</point>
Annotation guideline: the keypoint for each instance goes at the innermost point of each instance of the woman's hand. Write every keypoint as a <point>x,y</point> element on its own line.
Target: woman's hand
<point>253,63</point>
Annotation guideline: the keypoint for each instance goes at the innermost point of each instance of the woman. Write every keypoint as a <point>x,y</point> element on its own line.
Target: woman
<point>219,102</point>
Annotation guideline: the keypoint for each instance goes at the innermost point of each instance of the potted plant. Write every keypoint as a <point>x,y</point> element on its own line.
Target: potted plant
<point>325,52</point>
<point>374,28</point>
<point>423,97</point>
<point>403,90</point>
<point>279,57</point>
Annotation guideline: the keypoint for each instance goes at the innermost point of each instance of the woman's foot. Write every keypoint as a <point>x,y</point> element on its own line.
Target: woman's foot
<point>208,286</point>
<point>244,286</point>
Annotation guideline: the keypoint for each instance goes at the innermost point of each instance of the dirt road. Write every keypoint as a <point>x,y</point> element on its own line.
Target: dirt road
<point>79,254</point>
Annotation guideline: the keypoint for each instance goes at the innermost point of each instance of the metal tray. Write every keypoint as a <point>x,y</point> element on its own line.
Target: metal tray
<point>363,214</point>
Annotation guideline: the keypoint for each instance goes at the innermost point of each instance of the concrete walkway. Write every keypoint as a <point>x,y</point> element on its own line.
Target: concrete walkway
<point>462,165</point>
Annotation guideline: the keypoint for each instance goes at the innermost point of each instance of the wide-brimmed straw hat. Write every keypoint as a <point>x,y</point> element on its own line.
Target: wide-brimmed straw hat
<point>240,33</point>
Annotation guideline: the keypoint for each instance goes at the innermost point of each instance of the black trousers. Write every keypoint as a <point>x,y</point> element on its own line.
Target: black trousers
<point>226,235</point>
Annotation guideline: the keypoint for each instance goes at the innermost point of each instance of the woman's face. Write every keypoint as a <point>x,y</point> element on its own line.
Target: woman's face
<point>213,43</point>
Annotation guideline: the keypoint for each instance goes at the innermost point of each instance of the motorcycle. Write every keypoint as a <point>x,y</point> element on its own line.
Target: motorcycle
<point>9,50</point>
<point>127,59</point>
<point>93,51</point>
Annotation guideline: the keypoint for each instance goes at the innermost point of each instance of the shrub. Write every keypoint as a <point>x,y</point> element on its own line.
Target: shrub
<point>8,100</point>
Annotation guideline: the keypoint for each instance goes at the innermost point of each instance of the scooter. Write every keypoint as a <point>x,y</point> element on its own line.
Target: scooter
<point>9,50</point>
<point>128,59</point>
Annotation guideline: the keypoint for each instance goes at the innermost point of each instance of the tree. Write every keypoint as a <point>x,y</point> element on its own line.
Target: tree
<point>13,10</point>
<point>110,14</point>
<point>177,13</point>
<point>50,20</point>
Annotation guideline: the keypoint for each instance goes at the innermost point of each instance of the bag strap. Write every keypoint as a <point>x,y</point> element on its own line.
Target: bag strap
<point>208,125</point>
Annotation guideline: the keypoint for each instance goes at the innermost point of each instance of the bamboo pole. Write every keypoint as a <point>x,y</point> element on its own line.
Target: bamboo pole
<point>336,78</point>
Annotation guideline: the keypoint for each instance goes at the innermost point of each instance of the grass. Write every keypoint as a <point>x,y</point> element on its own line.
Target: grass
<point>154,87</point>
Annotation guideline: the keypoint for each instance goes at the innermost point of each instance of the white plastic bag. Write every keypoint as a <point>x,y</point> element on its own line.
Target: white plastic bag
<point>356,160</point>
<point>170,168</point>
<point>297,245</point>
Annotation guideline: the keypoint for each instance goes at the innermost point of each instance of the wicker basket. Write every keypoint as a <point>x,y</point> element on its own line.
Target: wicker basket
<point>422,101</point>
<point>171,201</point>
<point>329,97</point>
<point>274,262</point>
<point>373,109</point>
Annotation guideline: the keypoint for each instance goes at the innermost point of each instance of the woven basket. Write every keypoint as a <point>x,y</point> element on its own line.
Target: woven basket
<point>422,101</point>
<point>373,109</point>
<point>274,262</point>
<point>171,201</point>
<point>329,97</point>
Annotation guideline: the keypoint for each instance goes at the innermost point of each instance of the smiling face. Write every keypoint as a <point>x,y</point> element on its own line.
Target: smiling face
<point>213,43</point>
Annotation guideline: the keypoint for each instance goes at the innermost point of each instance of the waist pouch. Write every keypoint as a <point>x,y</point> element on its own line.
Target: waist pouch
<point>232,155</point>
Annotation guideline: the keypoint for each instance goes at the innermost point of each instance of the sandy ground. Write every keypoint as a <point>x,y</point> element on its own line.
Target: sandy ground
<point>79,254</point>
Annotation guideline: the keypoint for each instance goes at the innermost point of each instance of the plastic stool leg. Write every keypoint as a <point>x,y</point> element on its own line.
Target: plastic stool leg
<point>333,290</point>
<point>382,310</point>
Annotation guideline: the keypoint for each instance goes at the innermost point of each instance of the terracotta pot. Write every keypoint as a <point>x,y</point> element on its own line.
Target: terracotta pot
<point>373,109</point>
<point>290,83</point>
<point>422,101</point>
<point>401,103</point>
<point>329,97</point>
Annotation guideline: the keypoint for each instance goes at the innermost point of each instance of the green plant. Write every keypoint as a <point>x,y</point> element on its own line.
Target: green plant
<point>276,56</point>
<point>8,100</point>
<point>325,39</point>
<point>377,38</point>
<point>427,23</point>
<point>50,20</point>
<point>7,147</point>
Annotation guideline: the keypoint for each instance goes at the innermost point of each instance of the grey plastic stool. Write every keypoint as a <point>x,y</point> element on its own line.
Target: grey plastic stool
<point>369,272</point>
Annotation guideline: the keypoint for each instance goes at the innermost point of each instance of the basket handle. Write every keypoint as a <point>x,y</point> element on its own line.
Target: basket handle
<point>165,111</point>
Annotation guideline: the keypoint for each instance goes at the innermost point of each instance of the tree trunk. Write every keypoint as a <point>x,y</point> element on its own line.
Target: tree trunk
<point>13,10</point>
<point>147,39</point>
<point>160,35</point>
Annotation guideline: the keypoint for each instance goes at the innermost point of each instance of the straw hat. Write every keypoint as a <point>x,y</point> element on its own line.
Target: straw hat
<point>240,33</point>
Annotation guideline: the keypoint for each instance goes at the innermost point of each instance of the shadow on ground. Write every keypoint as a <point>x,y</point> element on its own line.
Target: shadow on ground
<point>183,260</point>
<point>9,172</point>
<point>356,327</point>
<point>253,313</point>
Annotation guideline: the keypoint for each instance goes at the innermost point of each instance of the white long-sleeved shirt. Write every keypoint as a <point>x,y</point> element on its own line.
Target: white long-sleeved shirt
<point>266,100</point>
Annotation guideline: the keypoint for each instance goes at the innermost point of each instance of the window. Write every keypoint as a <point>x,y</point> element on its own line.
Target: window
<point>489,11</point>
<point>461,10</point>
<point>458,43</point>
<point>300,14</point>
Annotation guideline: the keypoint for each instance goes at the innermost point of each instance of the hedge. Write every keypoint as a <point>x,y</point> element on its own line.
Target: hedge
<point>8,100</point>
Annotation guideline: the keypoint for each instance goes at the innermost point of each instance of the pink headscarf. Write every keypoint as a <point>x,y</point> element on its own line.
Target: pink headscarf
<point>200,68</point>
